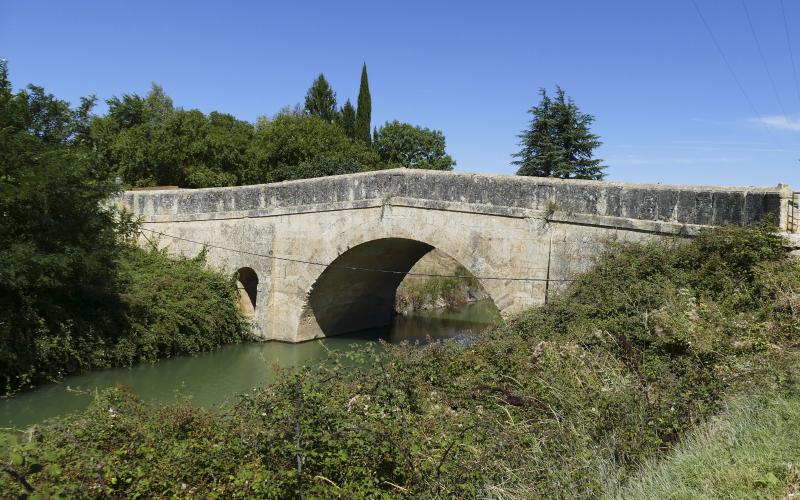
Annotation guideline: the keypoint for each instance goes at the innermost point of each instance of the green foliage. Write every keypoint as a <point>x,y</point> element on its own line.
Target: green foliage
<point>348,120</point>
<point>155,307</point>
<point>364,111</point>
<point>59,242</point>
<point>688,319</point>
<point>316,146</point>
<point>404,145</point>
<point>174,306</point>
<point>321,100</point>
<point>146,142</point>
<point>565,401</point>
<point>73,295</point>
<point>558,142</point>
<point>751,450</point>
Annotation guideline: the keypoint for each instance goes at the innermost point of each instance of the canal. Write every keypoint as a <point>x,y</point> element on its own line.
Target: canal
<point>216,378</point>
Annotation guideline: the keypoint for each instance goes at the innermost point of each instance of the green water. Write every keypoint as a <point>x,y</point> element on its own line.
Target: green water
<point>215,378</point>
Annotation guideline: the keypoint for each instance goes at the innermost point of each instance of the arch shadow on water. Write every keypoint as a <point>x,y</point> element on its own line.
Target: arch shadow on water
<point>351,296</point>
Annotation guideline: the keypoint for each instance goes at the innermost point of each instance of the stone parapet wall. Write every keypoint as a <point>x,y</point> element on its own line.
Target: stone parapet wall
<point>495,194</point>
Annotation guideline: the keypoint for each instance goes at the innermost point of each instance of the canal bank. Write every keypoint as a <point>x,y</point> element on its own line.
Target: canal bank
<point>215,379</point>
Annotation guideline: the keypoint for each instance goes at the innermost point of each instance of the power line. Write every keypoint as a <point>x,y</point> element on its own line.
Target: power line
<point>791,53</point>
<point>348,268</point>
<point>731,71</point>
<point>763,59</point>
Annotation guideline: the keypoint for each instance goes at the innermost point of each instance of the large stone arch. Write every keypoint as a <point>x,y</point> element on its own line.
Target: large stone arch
<point>341,243</point>
<point>357,290</point>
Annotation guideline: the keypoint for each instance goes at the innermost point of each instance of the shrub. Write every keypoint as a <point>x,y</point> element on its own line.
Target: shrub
<point>161,307</point>
<point>566,400</point>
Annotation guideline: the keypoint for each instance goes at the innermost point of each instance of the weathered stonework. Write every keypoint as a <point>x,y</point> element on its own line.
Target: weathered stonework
<point>496,226</point>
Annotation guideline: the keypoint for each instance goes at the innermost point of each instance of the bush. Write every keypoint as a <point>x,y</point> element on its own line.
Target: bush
<point>175,306</point>
<point>73,295</point>
<point>161,306</point>
<point>566,400</point>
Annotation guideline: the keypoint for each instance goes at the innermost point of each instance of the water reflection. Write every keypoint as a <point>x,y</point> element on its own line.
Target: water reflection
<point>216,378</point>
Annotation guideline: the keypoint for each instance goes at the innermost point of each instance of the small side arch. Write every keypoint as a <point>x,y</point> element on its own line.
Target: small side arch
<point>247,284</point>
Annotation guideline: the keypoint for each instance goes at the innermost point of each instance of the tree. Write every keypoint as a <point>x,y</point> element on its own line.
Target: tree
<point>295,147</point>
<point>147,142</point>
<point>58,236</point>
<point>364,111</point>
<point>348,119</point>
<point>404,145</point>
<point>558,142</point>
<point>321,100</point>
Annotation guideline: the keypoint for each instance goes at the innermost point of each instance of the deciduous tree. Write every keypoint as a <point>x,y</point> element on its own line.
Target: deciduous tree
<point>405,145</point>
<point>287,142</point>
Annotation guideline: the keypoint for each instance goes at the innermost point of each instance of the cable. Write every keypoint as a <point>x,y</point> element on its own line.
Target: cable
<point>791,53</point>
<point>732,72</point>
<point>763,59</point>
<point>349,268</point>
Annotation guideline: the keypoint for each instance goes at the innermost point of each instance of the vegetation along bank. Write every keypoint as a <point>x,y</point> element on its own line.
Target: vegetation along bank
<point>645,367</point>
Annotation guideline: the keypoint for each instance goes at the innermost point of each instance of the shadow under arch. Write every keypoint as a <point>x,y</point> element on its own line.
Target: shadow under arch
<point>247,284</point>
<point>350,295</point>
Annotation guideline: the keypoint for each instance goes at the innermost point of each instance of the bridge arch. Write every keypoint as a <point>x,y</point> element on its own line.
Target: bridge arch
<point>247,285</point>
<point>357,290</point>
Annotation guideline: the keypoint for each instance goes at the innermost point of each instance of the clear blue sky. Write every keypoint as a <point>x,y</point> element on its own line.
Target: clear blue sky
<point>667,108</point>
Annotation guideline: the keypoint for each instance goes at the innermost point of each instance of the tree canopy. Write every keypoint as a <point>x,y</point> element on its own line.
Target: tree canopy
<point>59,244</point>
<point>74,294</point>
<point>321,100</point>
<point>364,111</point>
<point>405,145</point>
<point>348,119</point>
<point>287,142</point>
<point>558,142</point>
<point>146,140</point>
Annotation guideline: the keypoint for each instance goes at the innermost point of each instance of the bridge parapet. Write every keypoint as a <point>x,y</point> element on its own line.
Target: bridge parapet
<point>512,196</point>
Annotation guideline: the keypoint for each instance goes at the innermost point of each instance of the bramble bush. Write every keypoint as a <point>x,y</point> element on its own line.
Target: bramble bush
<point>562,401</point>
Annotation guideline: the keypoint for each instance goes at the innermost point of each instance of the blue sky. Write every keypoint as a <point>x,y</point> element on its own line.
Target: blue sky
<point>666,106</point>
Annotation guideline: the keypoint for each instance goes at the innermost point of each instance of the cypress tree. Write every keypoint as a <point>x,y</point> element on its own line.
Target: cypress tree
<point>321,100</point>
<point>364,111</point>
<point>348,119</point>
<point>558,142</point>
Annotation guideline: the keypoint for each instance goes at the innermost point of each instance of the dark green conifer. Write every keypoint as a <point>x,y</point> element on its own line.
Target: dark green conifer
<point>321,100</point>
<point>558,142</point>
<point>348,119</point>
<point>364,111</point>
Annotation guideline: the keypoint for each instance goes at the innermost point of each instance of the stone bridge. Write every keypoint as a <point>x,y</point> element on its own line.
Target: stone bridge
<point>324,256</point>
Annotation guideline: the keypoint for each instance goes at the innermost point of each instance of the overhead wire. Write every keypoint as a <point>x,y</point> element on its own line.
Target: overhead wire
<point>763,59</point>
<point>791,52</point>
<point>732,72</point>
<point>348,268</point>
